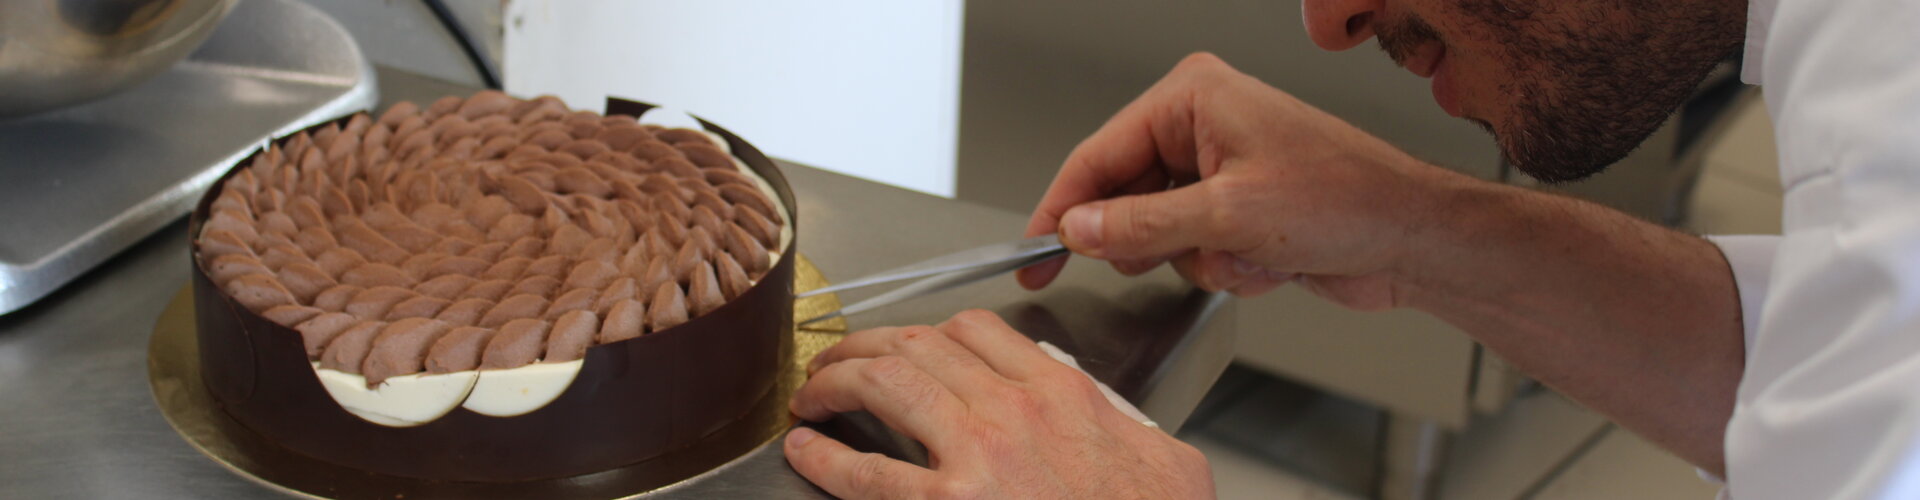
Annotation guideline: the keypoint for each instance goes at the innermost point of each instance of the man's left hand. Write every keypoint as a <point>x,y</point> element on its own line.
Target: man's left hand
<point>999,418</point>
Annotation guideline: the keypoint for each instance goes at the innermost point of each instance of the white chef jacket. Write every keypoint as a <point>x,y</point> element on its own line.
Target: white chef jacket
<point>1829,405</point>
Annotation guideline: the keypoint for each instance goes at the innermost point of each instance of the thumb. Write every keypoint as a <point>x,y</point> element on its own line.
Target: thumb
<point>846,473</point>
<point>1143,226</point>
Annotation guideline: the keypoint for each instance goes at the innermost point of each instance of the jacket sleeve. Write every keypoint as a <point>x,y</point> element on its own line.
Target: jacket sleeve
<point>1829,402</point>
<point>1751,260</point>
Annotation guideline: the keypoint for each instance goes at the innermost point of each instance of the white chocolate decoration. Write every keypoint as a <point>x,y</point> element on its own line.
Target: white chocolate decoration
<point>516,391</point>
<point>403,401</point>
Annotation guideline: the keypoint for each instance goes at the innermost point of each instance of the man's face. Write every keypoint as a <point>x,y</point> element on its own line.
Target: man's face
<point>1567,87</point>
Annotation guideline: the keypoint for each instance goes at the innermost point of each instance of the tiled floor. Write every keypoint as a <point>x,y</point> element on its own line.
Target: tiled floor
<point>1621,465</point>
<point>1271,439</point>
<point>1513,453</point>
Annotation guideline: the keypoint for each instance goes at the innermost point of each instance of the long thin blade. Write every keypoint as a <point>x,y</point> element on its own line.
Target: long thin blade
<point>931,285</point>
<point>986,256</point>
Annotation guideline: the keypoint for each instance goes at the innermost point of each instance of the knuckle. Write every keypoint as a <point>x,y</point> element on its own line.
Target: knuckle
<point>1199,60</point>
<point>1020,402</point>
<point>1220,269</point>
<point>1204,69</point>
<point>976,315</point>
<point>1192,454</point>
<point>1135,267</point>
<point>1225,216</point>
<point>1071,381</point>
<point>884,369</point>
<point>929,347</point>
<point>972,319</point>
<point>956,489</point>
<point>827,376</point>
<point>869,472</point>
<point>1138,222</point>
<point>1188,458</point>
<point>968,323</point>
<point>894,375</point>
<point>919,398</point>
<point>912,336</point>
<point>991,442</point>
<point>1189,268</point>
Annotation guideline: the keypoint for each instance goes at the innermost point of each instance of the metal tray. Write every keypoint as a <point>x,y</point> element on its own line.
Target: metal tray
<point>80,184</point>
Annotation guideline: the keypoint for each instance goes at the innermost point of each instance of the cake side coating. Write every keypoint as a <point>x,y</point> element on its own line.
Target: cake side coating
<point>639,391</point>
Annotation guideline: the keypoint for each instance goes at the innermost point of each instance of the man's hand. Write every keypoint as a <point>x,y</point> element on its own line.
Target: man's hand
<point>999,418</point>
<point>1242,187</point>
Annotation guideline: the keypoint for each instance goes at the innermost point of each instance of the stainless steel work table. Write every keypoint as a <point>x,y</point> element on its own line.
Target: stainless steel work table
<point>77,419</point>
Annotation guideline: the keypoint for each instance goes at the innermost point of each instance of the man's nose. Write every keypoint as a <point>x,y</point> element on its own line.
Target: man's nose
<point>1340,24</point>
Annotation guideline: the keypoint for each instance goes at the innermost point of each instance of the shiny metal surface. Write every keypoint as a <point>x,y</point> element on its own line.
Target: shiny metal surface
<point>1044,247</point>
<point>55,53</point>
<point>80,184</point>
<point>82,424</point>
<point>943,272</point>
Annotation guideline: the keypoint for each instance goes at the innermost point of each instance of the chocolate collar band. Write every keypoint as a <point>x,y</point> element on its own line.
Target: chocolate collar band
<point>657,294</point>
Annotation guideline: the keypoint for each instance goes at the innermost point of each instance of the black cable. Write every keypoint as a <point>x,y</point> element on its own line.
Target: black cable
<point>489,75</point>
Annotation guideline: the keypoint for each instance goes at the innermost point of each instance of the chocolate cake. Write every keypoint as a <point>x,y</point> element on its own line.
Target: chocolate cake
<point>493,289</point>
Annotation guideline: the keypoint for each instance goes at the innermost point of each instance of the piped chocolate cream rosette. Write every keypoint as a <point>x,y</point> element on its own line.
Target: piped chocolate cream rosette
<point>471,252</point>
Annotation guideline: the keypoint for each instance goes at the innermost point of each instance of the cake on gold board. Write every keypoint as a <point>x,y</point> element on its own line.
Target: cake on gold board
<point>490,289</point>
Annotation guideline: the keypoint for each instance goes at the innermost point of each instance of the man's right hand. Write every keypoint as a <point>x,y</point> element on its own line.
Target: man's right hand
<point>1242,188</point>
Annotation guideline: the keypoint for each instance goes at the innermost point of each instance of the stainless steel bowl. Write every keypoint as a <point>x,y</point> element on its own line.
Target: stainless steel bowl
<point>55,53</point>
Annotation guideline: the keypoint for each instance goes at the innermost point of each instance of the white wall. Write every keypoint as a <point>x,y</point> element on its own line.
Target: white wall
<point>405,35</point>
<point>865,87</point>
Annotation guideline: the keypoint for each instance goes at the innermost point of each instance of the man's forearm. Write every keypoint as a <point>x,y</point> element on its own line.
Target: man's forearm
<point>1633,320</point>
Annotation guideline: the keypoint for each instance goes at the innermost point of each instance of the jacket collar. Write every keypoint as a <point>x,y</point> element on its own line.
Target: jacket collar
<point>1759,19</point>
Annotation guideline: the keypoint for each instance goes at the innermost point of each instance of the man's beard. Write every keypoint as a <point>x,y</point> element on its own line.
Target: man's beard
<point>1583,97</point>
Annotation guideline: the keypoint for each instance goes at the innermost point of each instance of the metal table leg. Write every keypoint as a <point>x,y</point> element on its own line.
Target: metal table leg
<point>1412,455</point>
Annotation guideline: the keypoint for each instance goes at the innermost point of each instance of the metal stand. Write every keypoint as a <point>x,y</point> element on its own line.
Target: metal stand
<point>80,184</point>
<point>1412,454</point>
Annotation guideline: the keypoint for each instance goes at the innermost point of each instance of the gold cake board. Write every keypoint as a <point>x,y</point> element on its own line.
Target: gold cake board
<point>173,369</point>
